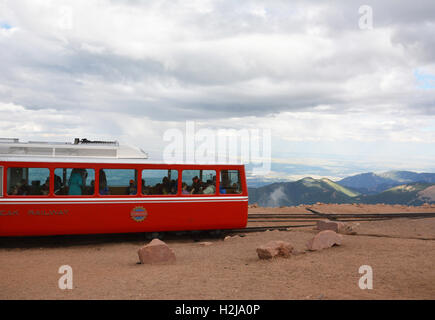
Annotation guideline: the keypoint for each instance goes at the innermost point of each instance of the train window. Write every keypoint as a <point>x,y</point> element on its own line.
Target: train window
<point>118,182</point>
<point>156,181</point>
<point>1,181</point>
<point>230,182</point>
<point>28,181</point>
<point>74,181</point>
<point>199,182</point>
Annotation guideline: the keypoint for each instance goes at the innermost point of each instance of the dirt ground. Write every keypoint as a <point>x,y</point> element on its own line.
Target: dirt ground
<point>401,253</point>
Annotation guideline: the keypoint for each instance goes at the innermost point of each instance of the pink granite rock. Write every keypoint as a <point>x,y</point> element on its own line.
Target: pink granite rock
<point>329,225</point>
<point>339,227</point>
<point>324,239</point>
<point>156,252</point>
<point>348,228</point>
<point>274,249</point>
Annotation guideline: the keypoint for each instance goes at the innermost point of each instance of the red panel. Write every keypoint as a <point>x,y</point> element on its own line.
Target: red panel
<point>69,217</point>
<point>52,219</point>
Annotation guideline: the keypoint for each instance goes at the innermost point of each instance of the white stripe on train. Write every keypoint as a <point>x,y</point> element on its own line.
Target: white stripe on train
<point>122,200</point>
<point>174,198</point>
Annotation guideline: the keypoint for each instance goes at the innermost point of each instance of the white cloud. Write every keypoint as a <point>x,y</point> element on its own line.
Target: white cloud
<point>130,70</point>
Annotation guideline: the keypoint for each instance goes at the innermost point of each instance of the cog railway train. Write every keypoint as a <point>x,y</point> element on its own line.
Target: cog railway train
<point>90,187</point>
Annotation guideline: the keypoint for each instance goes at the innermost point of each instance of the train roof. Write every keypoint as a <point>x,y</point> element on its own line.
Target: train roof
<point>79,151</point>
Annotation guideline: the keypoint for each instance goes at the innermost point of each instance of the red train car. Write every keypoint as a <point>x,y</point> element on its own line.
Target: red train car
<point>101,187</point>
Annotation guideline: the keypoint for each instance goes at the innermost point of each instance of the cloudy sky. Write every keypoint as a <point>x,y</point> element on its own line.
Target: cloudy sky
<point>339,99</point>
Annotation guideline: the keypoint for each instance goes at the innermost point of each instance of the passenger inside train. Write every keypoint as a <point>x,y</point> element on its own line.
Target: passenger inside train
<point>81,181</point>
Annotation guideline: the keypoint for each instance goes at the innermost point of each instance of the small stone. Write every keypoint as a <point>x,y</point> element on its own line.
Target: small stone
<point>348,228</point>
<point>275,248</point>
<point>156,252</point>
<point>324,239</point>
<point>231,237</point>
<point>205,244</point>
<point>298,252</point>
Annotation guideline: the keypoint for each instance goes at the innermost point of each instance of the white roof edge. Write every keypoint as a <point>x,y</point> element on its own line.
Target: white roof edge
<point>75,160</point>
<point>83,160</point>
<point>14,148</point>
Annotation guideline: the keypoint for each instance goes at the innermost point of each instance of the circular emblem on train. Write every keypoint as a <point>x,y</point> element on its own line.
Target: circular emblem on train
<point>138,214</point>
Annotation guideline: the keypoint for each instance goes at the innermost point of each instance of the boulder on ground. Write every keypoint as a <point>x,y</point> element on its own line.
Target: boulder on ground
<point>275,249</point>
<point>329,225</point>
<point>156,252</point>
<point>324,239</point>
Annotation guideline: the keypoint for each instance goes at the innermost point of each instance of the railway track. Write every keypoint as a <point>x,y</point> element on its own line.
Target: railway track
<point>337,216</point>
<point>314,216</point>
<point>311,220</point>
<point>265,228</point>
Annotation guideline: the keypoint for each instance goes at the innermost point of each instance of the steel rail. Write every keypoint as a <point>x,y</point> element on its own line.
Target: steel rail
<point>318,215</point>
<point>264,228</point>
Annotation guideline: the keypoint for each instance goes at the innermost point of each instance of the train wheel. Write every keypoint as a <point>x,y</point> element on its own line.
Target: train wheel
<point>215,233</point>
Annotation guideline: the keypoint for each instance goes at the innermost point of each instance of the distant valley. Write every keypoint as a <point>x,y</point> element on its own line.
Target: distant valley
<point>393,187</point>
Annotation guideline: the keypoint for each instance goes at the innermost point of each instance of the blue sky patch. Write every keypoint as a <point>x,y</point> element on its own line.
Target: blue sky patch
<point>5,26</point>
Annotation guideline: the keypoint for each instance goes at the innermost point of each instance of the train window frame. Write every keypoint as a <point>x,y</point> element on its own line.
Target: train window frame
<point>1,182</point>
<point>177,193</point>
<point>7,180</point>
<point>216,170</point>
<point>71,168</point>
<point>239,178</point>
<point>98,177</point>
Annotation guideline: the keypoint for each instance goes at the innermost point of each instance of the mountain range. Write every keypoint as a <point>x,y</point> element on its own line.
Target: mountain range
<point>373,183</point>
<point>394,187</point>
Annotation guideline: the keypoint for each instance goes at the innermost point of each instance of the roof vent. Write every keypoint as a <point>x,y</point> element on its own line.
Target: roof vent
<point>86,141</point>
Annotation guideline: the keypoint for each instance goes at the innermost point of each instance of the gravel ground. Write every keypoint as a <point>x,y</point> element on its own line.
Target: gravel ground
<point>401,253</point>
